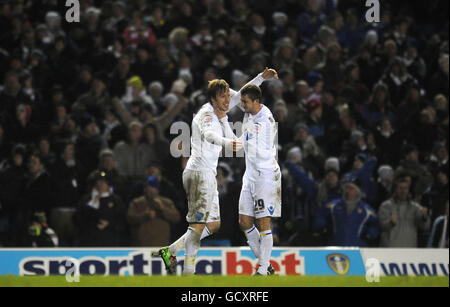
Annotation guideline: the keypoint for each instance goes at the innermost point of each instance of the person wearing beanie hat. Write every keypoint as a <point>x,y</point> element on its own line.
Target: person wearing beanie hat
<point>136,83</point>
<point>385,182</point>
<point>279,19</point>
<point>294,155</point>
<point>312,104</point>
<point>313,78</point>
<point>332,163</point>
<point>156,86</point>
<point>314,120</point>
<point>348,220</point>
<point>100,218</point>
<point>151,216</point>
<point>137,92</point>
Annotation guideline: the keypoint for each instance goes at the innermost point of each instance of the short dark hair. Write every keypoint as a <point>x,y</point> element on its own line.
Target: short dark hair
<point>252,91</point>
<point>39,155</point>
<point>215,87</point>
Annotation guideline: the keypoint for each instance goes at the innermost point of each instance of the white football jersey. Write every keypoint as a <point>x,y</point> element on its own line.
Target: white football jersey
<point>259,134</point>
<point>204,155</point>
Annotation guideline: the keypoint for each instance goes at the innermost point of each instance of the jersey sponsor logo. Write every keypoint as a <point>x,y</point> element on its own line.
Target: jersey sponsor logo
<point>339,263</point>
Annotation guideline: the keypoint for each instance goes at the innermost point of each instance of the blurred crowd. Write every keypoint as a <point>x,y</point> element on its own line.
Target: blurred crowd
<point>86,110</point>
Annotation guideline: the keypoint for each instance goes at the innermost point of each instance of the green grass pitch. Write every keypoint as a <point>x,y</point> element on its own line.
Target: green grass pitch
<point>221,281</point>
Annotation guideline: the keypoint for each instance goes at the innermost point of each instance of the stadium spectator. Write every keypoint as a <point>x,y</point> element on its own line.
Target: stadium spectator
<point>69,182</point>
<point>363,168</point>
<point>38,194</point>
<point>387,137</point>
<point>439,232</point>
<point>401,218</point>
<point>321,193</point>
<point>88,143</point>
<point>310,21</point>
<point>421,176</point>
<point>13,173</point>
<point>348,221</point>
<point>385,183</point>
<point>39,234</point>
<point>138,32</point>
<point>108,164</point>
<point>151,216</point>
<point>312,157</point>
<point>133,156</point>
<point>439,193</point>
<point>96,100</point>
<point>100,218</point>
<point>285,57</point>
<point>4,146</point>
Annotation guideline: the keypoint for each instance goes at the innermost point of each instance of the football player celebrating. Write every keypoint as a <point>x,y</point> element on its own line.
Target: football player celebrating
<point>260,197</point>
<point>210,133</point>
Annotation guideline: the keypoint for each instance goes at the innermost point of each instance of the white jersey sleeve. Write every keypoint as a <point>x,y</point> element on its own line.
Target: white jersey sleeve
<point>208,132</point>
<point>227,129</point>
<point>236,96</point>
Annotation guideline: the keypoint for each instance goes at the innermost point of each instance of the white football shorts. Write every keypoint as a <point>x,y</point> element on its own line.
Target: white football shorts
<point>202,195</point>
<point>261,194</point>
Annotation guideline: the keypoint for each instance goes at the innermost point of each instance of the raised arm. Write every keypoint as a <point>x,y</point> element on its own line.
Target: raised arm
<point>258,80</point>
<point>166,119</point>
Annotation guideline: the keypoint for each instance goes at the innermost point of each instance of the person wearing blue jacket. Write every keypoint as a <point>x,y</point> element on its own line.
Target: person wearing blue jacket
<point>319,192</point>
<point>348,220</point>
<point>363,168</point>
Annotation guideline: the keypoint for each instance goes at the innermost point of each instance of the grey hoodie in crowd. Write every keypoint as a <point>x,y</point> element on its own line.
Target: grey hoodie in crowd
<point>410,220</point>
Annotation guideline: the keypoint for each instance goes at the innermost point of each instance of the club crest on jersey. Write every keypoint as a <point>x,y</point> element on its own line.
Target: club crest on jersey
<point>271,210</point>
<point>339,263</point>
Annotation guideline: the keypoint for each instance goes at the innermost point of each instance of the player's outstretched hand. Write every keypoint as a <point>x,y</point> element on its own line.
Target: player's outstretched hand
<point>269,73</point>
<point>237,145</point>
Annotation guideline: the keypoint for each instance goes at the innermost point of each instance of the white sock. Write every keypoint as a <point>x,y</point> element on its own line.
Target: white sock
<point>178,245</point>
<point>206,233</point>
<point>266,251</point>
<point>192,245</point>
<point>253,240</point>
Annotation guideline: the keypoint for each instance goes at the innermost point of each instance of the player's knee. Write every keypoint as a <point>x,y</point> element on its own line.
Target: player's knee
<point>213,227</point>
<point>264,224</point>
<point>245,224</point>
